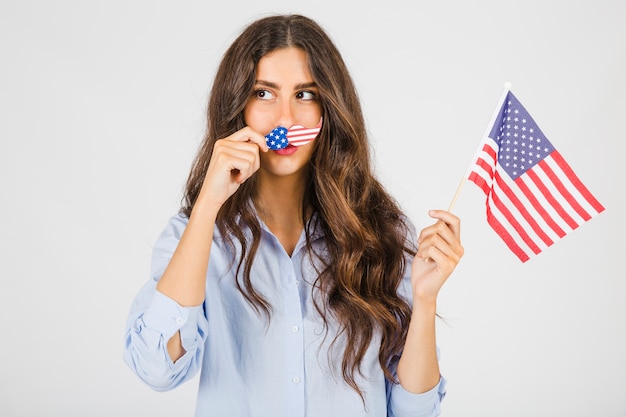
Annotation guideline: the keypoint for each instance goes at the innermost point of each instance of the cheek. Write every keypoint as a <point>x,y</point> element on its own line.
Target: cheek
<point>308,116</point>
<point>257,119</point>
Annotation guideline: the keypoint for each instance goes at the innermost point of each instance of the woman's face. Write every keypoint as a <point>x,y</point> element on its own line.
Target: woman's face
<point>284,95</point>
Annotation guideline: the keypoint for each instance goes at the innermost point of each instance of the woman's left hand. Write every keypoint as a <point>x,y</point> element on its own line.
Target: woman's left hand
<point>439,252</point>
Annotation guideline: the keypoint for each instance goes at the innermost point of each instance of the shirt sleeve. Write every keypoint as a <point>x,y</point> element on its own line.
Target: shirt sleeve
<point>154,318</point>
<point>402,403</point>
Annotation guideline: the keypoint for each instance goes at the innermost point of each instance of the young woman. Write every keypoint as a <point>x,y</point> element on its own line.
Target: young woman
<point>290,278</point>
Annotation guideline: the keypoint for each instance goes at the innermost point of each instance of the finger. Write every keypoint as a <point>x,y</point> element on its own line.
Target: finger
<point>239,150</point>
<point>452,250</point>
<point>447,225</point>
<point>247,134</point>
<point>238,160</point>
<point>453,222</point>
<point>240,164</point>
<point>445,261</point>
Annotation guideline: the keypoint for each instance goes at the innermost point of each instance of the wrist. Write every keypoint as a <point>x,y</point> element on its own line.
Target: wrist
<point>426,306</point>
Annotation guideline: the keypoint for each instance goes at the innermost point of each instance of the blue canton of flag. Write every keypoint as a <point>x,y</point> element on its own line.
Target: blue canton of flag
<point>521,142</point>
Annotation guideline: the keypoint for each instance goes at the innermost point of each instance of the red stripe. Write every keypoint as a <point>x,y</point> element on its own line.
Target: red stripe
<point>539,208</point>
<point>505,236</point>
<point>480,181</point>
<point>491,152</point>
<point>548,195</point>
<point>486,166</point>
<point>577,183</point>
<point>563,190</point>
<point>522,209</point>
<point>513,222</point>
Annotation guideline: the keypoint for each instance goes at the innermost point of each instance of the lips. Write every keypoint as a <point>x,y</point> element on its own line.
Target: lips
<point>286,151</point>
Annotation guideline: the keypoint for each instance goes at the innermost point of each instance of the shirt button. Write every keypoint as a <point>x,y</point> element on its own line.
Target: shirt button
<point>179,320</point>
<point>295,380</point>
<point>297,283</point>
<point>294,328</point>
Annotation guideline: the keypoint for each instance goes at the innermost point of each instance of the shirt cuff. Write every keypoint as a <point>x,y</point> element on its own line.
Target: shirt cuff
<point>166,316</point>
<point>428,403</point>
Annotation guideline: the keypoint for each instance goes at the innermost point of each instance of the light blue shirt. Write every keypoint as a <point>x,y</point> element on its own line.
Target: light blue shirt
<point>251,366</point>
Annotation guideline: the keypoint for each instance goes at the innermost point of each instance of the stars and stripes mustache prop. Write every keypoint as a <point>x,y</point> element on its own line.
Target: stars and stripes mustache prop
<point>281,137</point>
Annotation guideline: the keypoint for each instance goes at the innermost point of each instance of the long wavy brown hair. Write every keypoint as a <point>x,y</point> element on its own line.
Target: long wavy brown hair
<point>364,229</point>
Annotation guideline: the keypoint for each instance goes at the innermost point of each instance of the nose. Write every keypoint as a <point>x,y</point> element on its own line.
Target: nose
<point>285,114</point>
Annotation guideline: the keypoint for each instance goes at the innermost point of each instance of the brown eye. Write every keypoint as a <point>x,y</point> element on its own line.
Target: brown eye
<point>263,95</point>
<point>306,95</point>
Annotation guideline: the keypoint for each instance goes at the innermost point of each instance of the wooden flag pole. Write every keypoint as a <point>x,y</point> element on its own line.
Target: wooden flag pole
<point>456,194</point>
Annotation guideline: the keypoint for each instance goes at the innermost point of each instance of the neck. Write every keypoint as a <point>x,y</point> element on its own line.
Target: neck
<point>279,204</point>
<point>280,197</point>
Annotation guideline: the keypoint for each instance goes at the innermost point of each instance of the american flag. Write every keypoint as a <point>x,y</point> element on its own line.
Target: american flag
<point>534,198</point>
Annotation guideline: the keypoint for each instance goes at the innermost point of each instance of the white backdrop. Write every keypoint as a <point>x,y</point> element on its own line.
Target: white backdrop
<point>102,109</point>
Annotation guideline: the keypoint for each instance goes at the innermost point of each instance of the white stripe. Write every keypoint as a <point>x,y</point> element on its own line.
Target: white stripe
<point>517,214</point>
<point>571,188</point>
<point>557,195</point>
<point>525,202</point>
<point>505,223</point>
<point>534,190</point>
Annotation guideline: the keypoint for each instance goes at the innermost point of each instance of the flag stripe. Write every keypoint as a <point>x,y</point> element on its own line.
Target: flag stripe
<point>558,158</point>
<point>523,211</point>
<point>300,135</point>
<point>512,221</point>
<point>486,160</point>
<point>539,208</point>
<point>569,185</point>
<point>564,192</point>
<point>537,212</point>
<point>536,238</point>
<point>550,197</point>
<point>506,236</point>
<point>480,181</point>
<point>561,199</point>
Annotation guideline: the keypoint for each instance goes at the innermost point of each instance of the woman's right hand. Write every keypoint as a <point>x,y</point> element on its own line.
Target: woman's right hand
<point>235,158</point>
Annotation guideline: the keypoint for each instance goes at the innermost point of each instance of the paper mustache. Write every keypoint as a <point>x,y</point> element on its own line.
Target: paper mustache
<point>281,137</point>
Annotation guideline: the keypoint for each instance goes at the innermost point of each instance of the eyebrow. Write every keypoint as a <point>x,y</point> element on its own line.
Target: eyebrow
<point>277,86</point>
